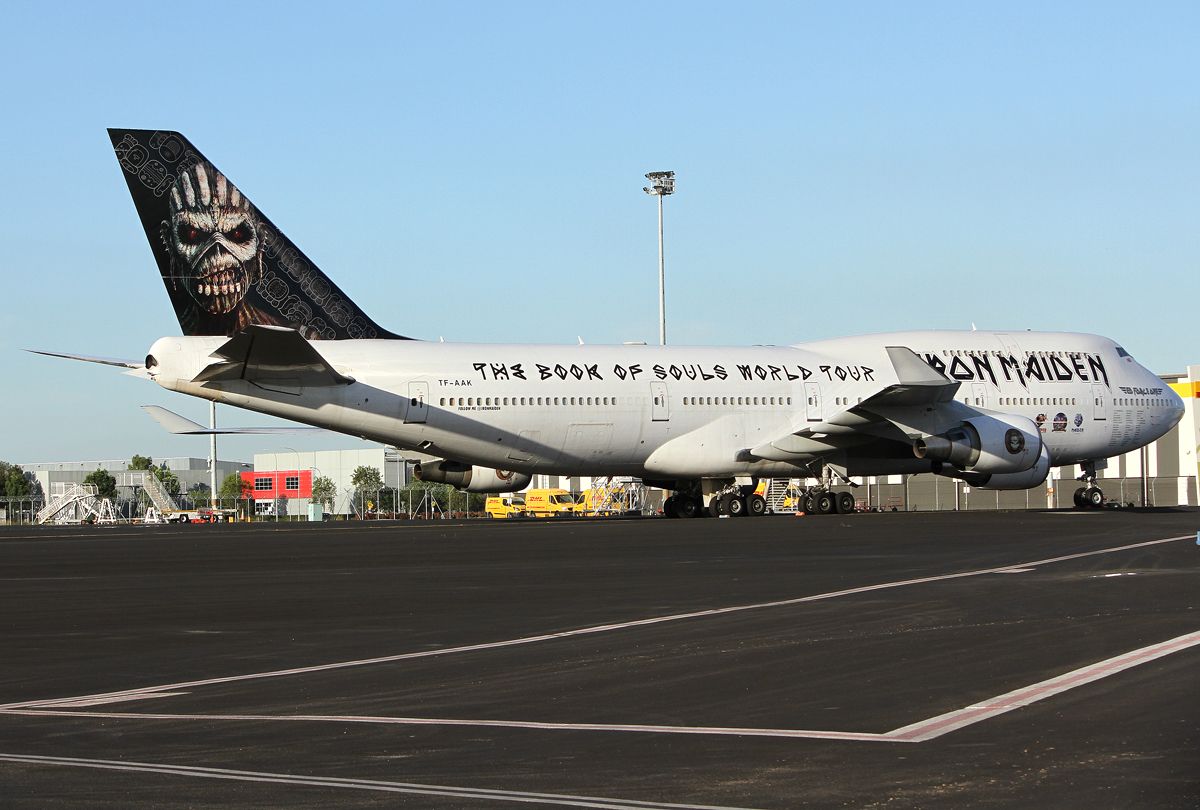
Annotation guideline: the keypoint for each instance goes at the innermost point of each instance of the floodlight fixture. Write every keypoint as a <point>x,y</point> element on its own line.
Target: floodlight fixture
<point>662,183</point>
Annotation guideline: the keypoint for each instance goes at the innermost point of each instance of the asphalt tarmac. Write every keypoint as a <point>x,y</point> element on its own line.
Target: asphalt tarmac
<point>902,660</point>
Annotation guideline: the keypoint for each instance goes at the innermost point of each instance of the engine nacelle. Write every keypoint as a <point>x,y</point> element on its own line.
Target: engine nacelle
<point>1032,477</point>
<point>992,444</point>
<point>471,477</point>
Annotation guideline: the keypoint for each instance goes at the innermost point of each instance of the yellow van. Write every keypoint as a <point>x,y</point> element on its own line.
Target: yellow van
<point>549,503</point>
<point>505,506</point>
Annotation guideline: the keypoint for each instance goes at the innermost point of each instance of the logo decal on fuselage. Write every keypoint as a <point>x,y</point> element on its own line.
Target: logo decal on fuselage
<point>970,366</point>
<point>1014,441</point>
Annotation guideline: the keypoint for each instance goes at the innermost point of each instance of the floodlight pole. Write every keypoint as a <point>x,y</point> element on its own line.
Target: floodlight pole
<point>662,280</point>
<point>662,184</point>
<point>212,455</point>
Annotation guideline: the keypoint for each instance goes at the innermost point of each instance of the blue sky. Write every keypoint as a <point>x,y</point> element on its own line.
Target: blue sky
<point>474,171</point>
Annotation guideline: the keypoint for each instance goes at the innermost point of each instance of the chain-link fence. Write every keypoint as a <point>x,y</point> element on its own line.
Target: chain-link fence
<point>936,493</point>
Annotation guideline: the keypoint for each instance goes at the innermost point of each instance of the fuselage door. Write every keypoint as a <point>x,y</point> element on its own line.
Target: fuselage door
<point>659,410</point>
<point>1099,402</point>
<point>979,395</point>
<point>812,397</point>
<point>418,403</point>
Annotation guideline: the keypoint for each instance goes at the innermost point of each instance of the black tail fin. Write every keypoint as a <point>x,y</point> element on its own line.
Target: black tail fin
<point>225,265</point>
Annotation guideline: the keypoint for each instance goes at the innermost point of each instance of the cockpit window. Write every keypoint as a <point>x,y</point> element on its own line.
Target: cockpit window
<point>1122,353</point>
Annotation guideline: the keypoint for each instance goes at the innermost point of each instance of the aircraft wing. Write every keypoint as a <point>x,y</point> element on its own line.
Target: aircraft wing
<point>271,354</point>
<point>917,384</point>
<point>181,425</point>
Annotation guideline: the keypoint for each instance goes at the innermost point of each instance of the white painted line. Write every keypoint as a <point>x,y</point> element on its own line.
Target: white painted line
<point>916,732</point>
<point>604,628</point>
<point>951,721</point>
<point>442,721</point>
<point>512,796</point>
<point>100,701</point>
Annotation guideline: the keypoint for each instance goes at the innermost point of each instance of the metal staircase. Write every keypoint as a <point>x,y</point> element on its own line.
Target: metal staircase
<point>616,495</point>
<point>779,490</point>
<point>154,489</point>
<point>66,501</point>
<point>75,503</point>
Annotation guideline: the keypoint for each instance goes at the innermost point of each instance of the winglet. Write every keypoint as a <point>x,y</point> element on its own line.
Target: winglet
<point>917,383</point>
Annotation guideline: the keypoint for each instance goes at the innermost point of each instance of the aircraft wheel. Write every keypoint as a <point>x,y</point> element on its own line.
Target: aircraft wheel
<point>669,507</point>
<point>826,503</point>
<point>1080,498</point>
<point>714,506</point>
<point>733,505</point>
<point>845,503</point>
<point>756,505</point>
<point>1095,497</point>
<point>686,507</point>
<point>810,504</point>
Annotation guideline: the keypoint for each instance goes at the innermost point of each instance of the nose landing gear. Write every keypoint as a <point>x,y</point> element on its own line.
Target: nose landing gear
<point>1089,496</point>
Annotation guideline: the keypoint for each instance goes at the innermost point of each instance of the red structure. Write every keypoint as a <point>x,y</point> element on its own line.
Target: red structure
<point>266,485</point>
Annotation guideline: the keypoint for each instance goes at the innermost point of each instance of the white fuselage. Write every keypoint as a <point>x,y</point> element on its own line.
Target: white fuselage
<point>690,412</point>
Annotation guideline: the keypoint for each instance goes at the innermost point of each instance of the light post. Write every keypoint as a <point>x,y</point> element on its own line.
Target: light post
<point>212,454</point>
<point>661,185</point>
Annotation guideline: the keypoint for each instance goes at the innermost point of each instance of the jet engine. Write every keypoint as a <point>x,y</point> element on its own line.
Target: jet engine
<point>1032,477</point>
<point>471,477</point>
<point>992,444</point>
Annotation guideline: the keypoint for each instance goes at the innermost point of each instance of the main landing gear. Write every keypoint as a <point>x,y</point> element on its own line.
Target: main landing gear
<point>733,500</point>
<point>1089,496</point>
<point>824,502</point>
<point>726,497</point>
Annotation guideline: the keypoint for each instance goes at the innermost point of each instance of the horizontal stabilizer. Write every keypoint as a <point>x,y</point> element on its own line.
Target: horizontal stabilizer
<point>106,361</point>
<point>271,355</point>
<point>180,425</point>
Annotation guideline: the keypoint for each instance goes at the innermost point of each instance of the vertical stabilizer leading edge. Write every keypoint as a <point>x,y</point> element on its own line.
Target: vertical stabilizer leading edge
<point>225,265</point>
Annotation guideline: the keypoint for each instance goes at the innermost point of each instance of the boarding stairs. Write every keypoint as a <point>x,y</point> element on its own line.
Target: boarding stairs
<point>778,492</point>
<point>75,503</point>
<point>617,495</point>
<point>603,495</point>
<point>66,501</point>
<point>154,490</point>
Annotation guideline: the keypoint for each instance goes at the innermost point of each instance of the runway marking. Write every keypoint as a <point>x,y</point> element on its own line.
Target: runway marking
<point>486,794</point>
<point>921,731</point>
<point>100,701</point>
<point>603,628</point>
<point>951,721</point>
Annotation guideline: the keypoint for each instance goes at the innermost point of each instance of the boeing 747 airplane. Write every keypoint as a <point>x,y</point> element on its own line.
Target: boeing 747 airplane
<point>264,329</point>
